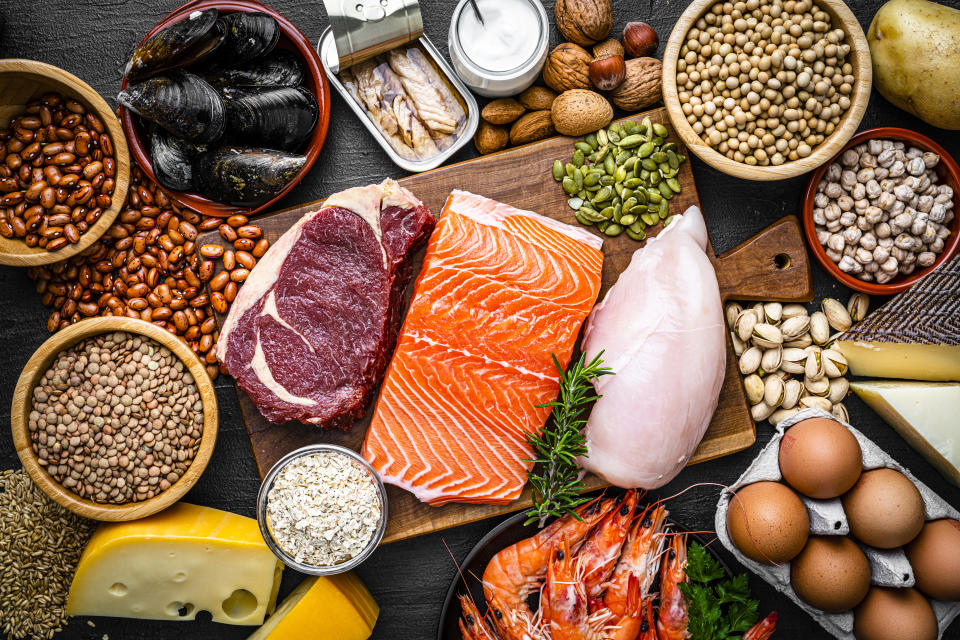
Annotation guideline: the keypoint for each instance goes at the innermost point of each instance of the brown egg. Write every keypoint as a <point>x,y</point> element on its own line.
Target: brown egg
<point>768,522</point>
<point>884,509</point>
<point>831,573</point>
<point>894,614</point>
<point>820,458</point>
<point>935,558</point>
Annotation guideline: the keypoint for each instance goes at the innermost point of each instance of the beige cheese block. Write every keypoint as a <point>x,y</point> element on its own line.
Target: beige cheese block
<point>935,362</point>
<point>926,414</point>
<point>176,563</point>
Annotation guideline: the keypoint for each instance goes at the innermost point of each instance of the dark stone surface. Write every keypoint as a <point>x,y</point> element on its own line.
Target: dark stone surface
<point>92,38</point>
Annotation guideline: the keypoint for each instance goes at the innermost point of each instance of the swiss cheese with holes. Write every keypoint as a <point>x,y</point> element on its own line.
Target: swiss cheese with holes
<point>175,564</point>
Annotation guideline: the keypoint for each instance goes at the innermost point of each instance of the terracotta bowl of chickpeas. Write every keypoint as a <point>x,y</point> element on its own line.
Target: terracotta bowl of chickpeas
<point>766,89</point>
<point>883,212</point>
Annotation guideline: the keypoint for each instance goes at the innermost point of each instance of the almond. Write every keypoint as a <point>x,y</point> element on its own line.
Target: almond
<point>490,137</point>
<point>532,126</point>
<point>537,98</point>
<point>579,111</point>
<point>502,111</point>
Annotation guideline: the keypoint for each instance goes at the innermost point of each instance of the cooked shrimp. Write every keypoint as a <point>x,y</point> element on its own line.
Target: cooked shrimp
<point>601,549</point>
<point>640,558</point>
<point>472,624</point>
<point>672,618</point>
<point>567,614</point>
<point>518,570</point>
<point>763,629</point>
<point>633,625</point>
<point>648,628</point>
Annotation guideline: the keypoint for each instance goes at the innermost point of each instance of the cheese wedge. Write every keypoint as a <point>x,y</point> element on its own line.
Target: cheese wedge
<point>176,563</point>
<point>916,335</point>
<point>323,607</point>
<point>926,414</point>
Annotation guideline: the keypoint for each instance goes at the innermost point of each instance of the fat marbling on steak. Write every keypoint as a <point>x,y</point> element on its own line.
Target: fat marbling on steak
<point>311,332</point>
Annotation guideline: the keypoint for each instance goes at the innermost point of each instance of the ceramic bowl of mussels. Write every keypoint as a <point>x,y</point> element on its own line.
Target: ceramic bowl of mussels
<point>225,106</point>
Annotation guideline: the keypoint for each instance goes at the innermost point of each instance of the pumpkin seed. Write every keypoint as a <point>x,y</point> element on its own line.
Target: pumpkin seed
<point>575,203</point>
<point>578,158</point>
<point>557,170</point>
<point>636,235</point>
<point>645,150</point>
<point>569,185</point>
<point>660,130</point>
<point>613,229</point>
<point>586,146</point>
<point>591,141</point>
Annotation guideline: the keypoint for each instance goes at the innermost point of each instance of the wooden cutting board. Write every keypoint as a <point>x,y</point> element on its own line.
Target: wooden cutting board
<point>770,266</point>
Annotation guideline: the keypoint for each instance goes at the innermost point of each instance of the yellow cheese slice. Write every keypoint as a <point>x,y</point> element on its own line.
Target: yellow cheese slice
<point>323,607</point>
<point>926,414</point>
<point>176,563</point>
<point>901,360</point>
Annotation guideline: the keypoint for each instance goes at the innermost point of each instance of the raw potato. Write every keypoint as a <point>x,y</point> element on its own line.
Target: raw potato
<point>502,111</point>
<point>915,46</point>
<point>531,127</point>
<point>490,137</point>
<point>578,112</point>
<point>537,98</point>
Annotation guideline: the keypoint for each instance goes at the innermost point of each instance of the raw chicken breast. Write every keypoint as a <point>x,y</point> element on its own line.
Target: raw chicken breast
<point>661,330</point>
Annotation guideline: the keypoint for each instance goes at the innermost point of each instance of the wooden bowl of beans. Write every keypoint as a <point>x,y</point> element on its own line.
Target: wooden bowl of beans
<point>114,418</point>
<point>64,164</point>
<point>764,89</point>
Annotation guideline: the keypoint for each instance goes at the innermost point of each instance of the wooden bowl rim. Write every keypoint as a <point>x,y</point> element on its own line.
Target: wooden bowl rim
<point>33,256</point>
<point>849,122</point>
<point>311,59</point>
<point>41,360</point>
<point>901,282</point>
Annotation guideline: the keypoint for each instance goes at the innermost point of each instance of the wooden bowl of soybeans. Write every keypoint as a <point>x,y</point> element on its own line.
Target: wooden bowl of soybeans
<point>129,428</point>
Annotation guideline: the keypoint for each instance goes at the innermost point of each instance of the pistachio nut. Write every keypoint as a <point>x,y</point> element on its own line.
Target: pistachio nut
<point>837,314</point>
<point>772,312</point>
<point>857,306</point>
<point>819,387</point>
<point>782,414</point>
<point>820,327</point>
<point>750,360</point>
<point>760,411</point>
<point>832,340</point>
<point>758,311</point>
<point>794,360</point>
<point>744,324</point>
<point>802,342</point>
<point>840,413</point>
<point>814,402</point>
<point>771,359</point>
<point>767,336</point>
<point>813,366</point>
<point>791,393</point>
<point>739,346</point>
<point>795,327</point>
<point>839,388</point>
<point>792,311</point>
<point>834,364</point>
<point>732,311</point>
<point>753,387</point>
<point>773,391</point>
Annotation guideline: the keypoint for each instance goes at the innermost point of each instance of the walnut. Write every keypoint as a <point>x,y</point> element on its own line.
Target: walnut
<point>641,88</point>
<point>585,22</point>
<point>567,67</point>
<point>533,126</point>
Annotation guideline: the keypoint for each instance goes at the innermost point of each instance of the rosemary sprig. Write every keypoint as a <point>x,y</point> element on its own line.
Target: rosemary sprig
<point>556,477</point>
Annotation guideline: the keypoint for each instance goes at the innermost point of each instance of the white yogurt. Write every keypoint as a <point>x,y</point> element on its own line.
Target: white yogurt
<point>503,55</point>
<point>506,39</point>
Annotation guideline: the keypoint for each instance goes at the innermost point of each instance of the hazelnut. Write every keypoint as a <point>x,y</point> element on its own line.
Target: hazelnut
<point>607,73</point>
<point>639,39</point>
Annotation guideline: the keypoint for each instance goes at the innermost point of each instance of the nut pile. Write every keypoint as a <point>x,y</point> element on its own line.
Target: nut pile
<point>118,418</point>
<point>764,81</point>
<point>39,551</point>
<point>622,178</point>
<point>323,509</point>
<point>786,355</point>
<point>148,266</point>
<point>880,211</point>
<point>57,173</point>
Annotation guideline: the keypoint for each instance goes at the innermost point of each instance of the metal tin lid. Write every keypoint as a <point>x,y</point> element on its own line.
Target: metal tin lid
<point>363,29</point>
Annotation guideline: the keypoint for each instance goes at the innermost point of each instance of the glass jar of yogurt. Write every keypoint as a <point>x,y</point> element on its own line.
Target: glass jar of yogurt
<point>504,54</point>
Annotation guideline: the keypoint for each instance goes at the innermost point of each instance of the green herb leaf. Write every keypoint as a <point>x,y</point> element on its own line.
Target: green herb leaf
<point>556,479</point>
<point>719,608</point>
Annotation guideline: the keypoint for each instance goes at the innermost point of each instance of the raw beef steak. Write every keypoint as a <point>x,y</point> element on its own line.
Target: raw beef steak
<point>312,330</point>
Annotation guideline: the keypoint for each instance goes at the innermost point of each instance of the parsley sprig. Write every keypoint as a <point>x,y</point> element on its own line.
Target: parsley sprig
<point>719,608</point>
<point>556,477</point>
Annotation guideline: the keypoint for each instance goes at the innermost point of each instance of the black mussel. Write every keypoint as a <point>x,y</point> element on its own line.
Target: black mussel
<point>179,45</point>
<point>276,117</point>
<point>180,102</point>
<point>282,68</point>
<point>249,36</point>
<point>245,176</point>
<point>172,160</point>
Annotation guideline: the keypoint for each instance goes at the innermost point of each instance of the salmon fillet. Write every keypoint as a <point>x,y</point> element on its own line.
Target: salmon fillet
<point>500,291</point>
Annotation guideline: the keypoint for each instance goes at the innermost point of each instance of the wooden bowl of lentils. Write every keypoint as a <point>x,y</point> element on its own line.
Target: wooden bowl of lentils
<point>64,164</point>
<point>114,418</point>
<point>766,89</point>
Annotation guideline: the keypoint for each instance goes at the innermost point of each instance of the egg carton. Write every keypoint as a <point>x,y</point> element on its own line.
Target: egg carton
<point>889,567</point>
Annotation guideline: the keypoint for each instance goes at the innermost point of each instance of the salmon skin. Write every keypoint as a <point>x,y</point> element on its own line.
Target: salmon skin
<point>500,291</point>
